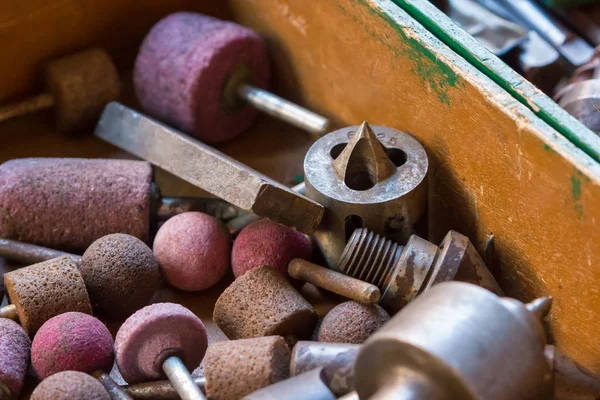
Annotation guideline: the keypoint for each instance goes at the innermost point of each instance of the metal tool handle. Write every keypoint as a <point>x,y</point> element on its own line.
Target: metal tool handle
<point>158,390</point>
<point>181,379</point>
<point>28,106</point>
<point>333,281</point>
<point>26,253</point>
<point>244,219</point>
<point>277,107</point>
<point>114,390</point>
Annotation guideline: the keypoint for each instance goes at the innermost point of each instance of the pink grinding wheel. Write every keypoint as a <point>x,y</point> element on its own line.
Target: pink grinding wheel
<point>183,66</point>
<point>153,334</point>
<point>72,341</point>
<point>14,356</point>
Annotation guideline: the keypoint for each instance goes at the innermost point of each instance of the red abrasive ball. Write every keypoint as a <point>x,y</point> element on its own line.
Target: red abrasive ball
<point>265,242</point>
<point>193,250</point>
<point>15,347</point>
<point>155,333</point>
<point>70,385</point>
<point>183,67</point>
<point>72,341</point>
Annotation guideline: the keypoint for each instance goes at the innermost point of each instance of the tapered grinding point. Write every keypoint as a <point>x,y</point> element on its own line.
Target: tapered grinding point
<point>261,303</point>
<point>121,274</point>
<point>183,67</point>
<point>265,242</point>
<point>236,368</point>
<point>155,333</point>
<point>67,203</point>
<point>351,322</point>
<point>81,85</point>
<point>72,341</point>
<point>70,385</point>
<point>193,249</point>
<point>44,290</point>
<point>15,347</point>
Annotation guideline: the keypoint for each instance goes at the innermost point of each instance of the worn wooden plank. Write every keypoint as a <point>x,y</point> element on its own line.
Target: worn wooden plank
<point>470,49</point>
<point>496,166</point>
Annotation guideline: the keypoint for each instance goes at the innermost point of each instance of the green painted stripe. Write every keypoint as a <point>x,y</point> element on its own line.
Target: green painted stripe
<point>470,49</point>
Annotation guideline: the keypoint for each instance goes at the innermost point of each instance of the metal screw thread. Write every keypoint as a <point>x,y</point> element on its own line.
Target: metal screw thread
<point>370,257</point>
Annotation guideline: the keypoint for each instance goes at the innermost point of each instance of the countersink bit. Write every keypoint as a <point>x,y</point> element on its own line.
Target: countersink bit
<point>365,177</point>
<point>205,167</point>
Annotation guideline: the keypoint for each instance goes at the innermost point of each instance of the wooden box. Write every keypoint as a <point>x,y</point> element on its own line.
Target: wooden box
<point>505,160</point>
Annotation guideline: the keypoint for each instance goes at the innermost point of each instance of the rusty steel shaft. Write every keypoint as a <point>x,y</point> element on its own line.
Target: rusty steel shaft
<point>333,281</point>
<point>26,253</point>
<point>207,168</point>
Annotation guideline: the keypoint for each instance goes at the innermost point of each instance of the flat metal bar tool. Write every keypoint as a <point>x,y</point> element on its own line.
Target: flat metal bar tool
<point>207,168</point>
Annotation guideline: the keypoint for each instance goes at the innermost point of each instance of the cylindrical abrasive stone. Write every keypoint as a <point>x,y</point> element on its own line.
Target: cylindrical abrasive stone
<point>193,249</point>
<point>81,84</point>
<point>183,67</point>
<point>44,290</point>
<point>72,341</point>
<point>351,322</point>
<point>236,368</point>
<point>15,347</point>
<point>262,303</point>
<point>120,273</point>
<point>155,333</point>
<point>70,385</point>
<point>265,242</point>
<point>67,203</point>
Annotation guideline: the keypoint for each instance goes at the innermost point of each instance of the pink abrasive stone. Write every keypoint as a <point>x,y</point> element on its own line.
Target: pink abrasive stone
<point>67,203</point>
<point>193,250</point>
<point>351,322</point>
<point>265,242</point>
<point>72,341</point>
<point>183,67</point>
<point>70,385</point>
<point>155,333</point>
<point>15,347</point>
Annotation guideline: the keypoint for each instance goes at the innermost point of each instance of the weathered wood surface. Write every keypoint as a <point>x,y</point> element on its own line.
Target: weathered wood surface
<point>496,167</point>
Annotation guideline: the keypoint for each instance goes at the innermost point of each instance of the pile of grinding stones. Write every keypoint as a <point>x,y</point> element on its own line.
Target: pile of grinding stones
<point>262,312</point>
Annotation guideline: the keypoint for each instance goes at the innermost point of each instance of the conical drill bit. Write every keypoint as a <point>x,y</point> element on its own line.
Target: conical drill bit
<point>540,307</point>
<point>364,161</point>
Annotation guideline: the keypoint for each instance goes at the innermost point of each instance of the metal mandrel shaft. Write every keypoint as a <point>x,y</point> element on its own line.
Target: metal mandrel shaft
<point>287,111</point>
<point>333,281</point>
<point>158,390</point>
<point>114,390</point>
<point>26,253</point>
<point>10,312</point>
<point>181,379</point>
<point>27,106</point>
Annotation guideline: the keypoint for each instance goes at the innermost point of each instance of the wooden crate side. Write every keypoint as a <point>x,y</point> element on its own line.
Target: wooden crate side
<point>496,167</point>
<point>472,50</point>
